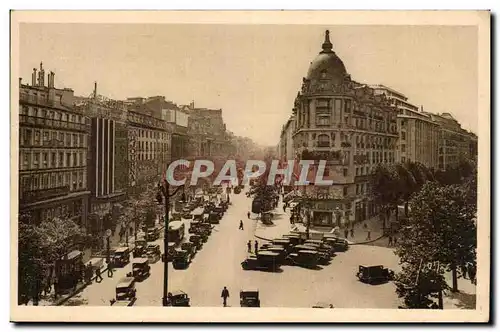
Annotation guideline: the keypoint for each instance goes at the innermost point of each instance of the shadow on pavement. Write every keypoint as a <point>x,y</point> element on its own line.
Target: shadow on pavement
<point>465,300</point>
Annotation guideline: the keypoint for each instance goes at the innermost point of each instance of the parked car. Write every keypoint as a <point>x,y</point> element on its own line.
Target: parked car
<point>152,234</point>
<point>190,248</point>
<point>153,253</point>
<point>121,256</point>
<point>305,258</point>
<point>197,241</point>
<point>374,274</point>
<point>181,260</point>
<point>264,260</point>
<point>178,298</point>
<point>140,268</point>
<point>140,247</point>
<point>249,297</point>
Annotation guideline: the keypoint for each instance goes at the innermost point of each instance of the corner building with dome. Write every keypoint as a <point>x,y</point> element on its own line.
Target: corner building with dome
<point>351,127</point>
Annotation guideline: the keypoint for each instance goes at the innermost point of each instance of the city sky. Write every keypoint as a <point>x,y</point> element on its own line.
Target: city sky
<point>253,72</point>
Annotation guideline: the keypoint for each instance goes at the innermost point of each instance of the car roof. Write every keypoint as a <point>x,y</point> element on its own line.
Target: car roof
<point>139,260</point>
<point>308,252</point>
<point>250,290</point>
<point>121,249</point>
<point>267,253</point>
<point>125,282</point>
<point>177,292</point>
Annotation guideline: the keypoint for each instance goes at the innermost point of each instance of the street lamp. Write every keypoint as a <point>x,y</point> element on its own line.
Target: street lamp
<point>164,192</point>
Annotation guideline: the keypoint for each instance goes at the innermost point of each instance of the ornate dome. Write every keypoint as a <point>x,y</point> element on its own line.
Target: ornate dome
<point>327,65</point>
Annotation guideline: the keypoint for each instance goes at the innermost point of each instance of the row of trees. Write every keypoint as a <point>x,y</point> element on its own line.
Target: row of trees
<point>40,245</point>
<point>439,235</point>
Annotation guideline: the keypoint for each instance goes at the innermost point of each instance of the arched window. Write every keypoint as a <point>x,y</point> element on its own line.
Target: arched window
<point>323,140</point>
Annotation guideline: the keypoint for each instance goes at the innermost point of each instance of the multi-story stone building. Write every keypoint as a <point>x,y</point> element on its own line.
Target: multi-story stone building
<point>418,134</point>
<point>108,159</point>
<point>454,141</point>
<point>285,148</point>
<point>53,151</point>
<point>149,139</point>
<point>350,126</point>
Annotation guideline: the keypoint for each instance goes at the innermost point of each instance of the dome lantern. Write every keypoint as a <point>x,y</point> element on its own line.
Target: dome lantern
<point>327,45</point>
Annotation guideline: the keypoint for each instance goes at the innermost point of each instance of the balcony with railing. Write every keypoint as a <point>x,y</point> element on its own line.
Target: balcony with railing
<point>42,194</point>
<point>28,120</point>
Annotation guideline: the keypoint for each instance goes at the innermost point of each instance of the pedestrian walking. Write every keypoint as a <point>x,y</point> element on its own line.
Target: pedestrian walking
<point>346,233</point>
<point>365,226</point>
<point>110,269</point>
<point>256,246</point>
<point>390,241</point>
<point>241,225</point>
<point>249,246</point>
<point>368,236</point>
<point>352,232</point>
<point>98,277</point>
<point>224,295</point>
<point>394,241</point>
<point>284,208</point>
<point>248,214</point>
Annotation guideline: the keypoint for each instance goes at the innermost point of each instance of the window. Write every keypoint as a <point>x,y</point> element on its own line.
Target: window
<point>403,159</point>
<point>26,158</point>
<point>323,140</point>
<point>53,160</point>
<point>37,137</point>
<point>53,180</point>
<point>45,158</point>
<point>61,138</point>
<point>82,163</point>
<point>75,140</point>
<point>357,171</point>
<point>68,139</point>
<point>403,148</point>
<point>61,159</point>
<point>323,120</point>
<point>357,189</point>
<point>45,137</point>
<point>68,159</point>
<point>74,159</point>
<point>82,141</point>
<point>403,135</point>
<point>345,191</point>
<point>35,182</point>
<point>60,179</point>
<point>27,136</point>
<point>345,171</point>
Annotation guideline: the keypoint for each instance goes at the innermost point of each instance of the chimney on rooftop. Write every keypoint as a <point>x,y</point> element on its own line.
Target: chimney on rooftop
<point>33,77</point>
<point>50,79</point>
<point>41,76</point>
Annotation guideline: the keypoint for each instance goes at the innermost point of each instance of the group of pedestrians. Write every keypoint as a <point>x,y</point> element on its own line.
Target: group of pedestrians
<point>256,246</point>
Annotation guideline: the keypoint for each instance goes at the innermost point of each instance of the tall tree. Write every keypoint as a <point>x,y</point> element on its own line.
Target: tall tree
<point>40,246</point>
<point>440,228</point>
<point>384,186</point>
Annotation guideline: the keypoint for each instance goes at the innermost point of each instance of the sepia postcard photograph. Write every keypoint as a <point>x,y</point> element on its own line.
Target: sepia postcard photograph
<point>250,166</point>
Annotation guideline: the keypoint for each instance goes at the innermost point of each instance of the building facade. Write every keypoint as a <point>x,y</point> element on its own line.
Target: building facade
<point>418,134</point>
<point>285,148</point>
<point>53,151</point>
<point>108,162</point>
<point>350,126</point>
<point>454,141</point>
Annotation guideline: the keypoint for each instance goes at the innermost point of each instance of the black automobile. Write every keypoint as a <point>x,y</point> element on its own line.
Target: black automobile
<point>374,274</point>
<point>178,298</point>
<point>190,248</point>
<point>264,260</point>
<point>197,241</point>
<point>249,297</point>
<point>181,260</point>
<point>140,268</point>
<point>152,234</point>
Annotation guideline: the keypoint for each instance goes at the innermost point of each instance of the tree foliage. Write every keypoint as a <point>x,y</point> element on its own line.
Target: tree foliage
<point>40,245</point>
<point>440,229</point>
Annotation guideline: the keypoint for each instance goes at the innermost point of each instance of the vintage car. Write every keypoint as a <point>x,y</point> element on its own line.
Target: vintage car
<point>294,239</point>
<point>152,234</point>
<point>249,297</point>
<point>140,247</point>
<point>178,298</point>
<point>280,250</point>
<point>190,248</point>
<point>214,217</point>
<point>153,253</point>
<point>305,258</point>
<point>125,289</point>
<point>374,274</point>
<point>196,241</point>
<point>220,210</point>
<point>282,242</point>
<point>194,225</point>
<point>140,268</point>
<point>338,244</point>
<point>264,260</point>
<point>121,256</point>
<point>181,260</point>
<point>203,234</point>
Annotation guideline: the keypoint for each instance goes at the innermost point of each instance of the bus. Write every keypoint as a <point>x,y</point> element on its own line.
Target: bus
<point>176,231</point>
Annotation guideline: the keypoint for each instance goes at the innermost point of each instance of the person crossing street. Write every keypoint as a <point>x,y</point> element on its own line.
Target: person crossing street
<point>224,295</point>
<point>241,225</point>
<point>256,247</point>
<point>249,246</point>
